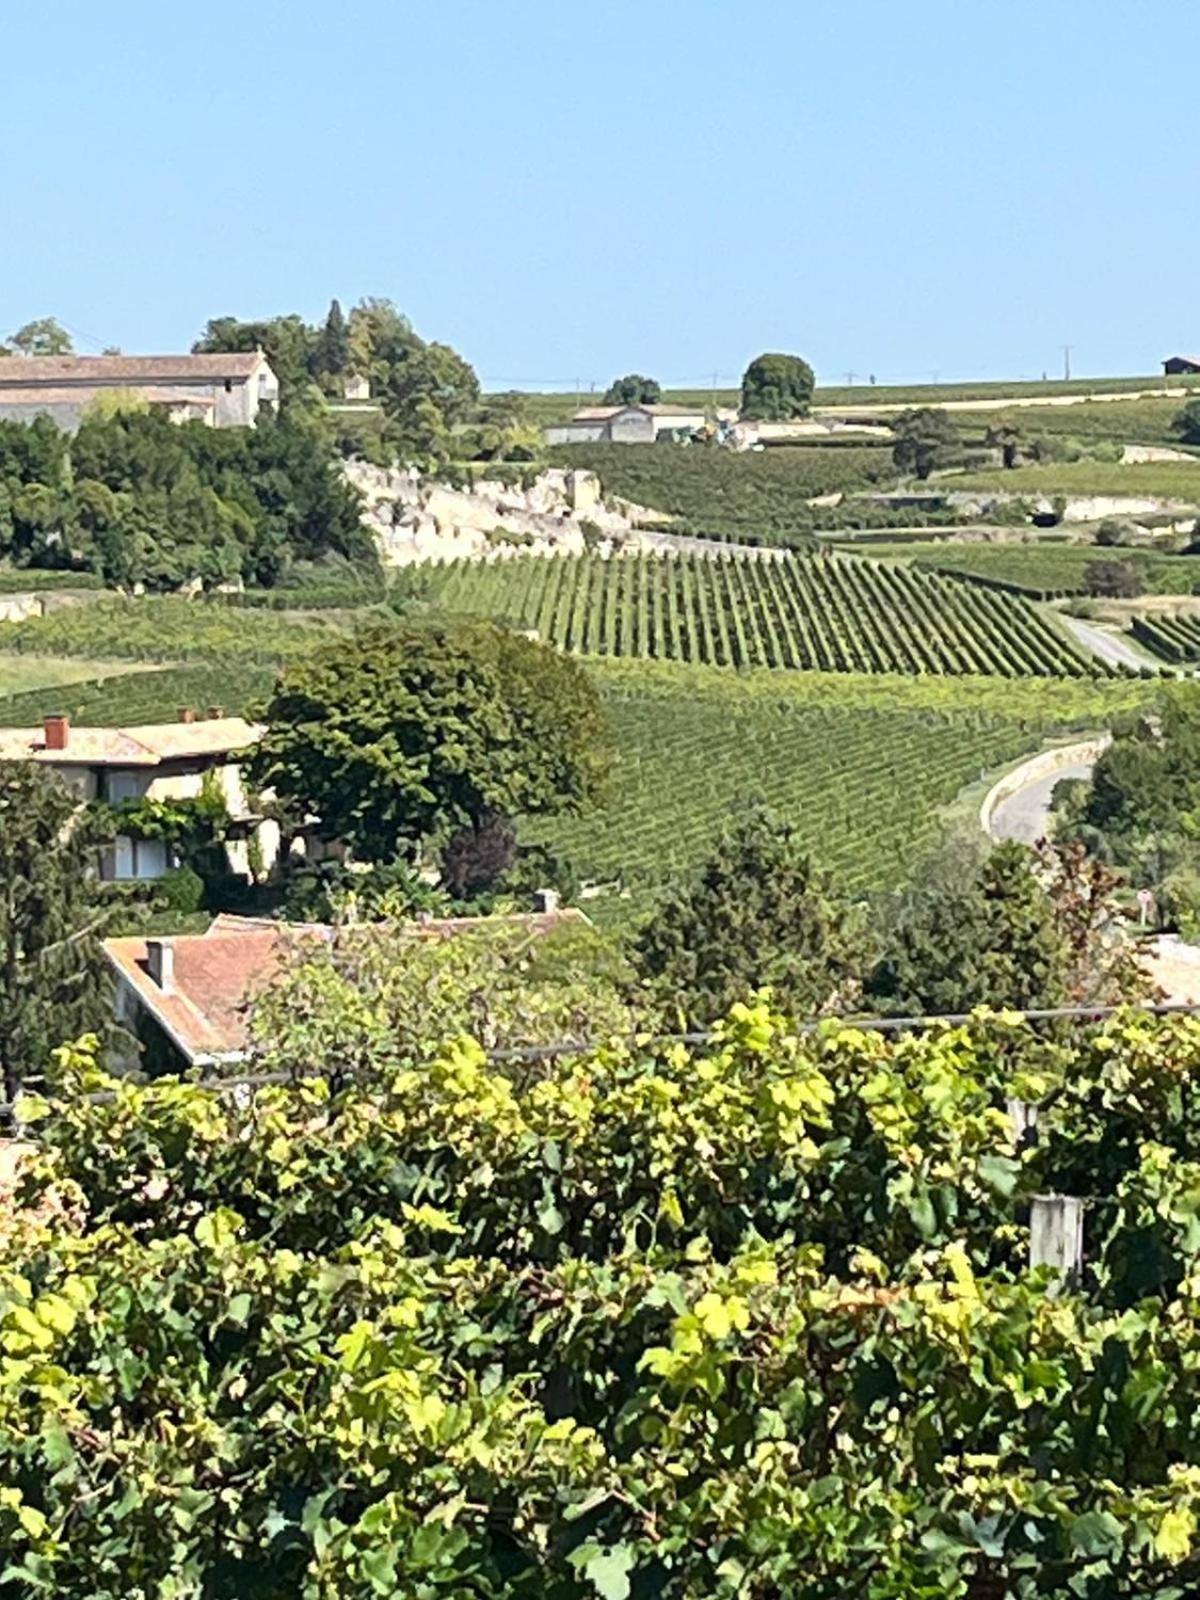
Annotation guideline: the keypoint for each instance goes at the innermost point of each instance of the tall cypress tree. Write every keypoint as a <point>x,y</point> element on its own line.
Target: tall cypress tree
<point>331,352</point>
<point>52,985</point>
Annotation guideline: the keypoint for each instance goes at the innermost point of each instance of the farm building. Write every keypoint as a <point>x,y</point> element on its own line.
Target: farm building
<point>641,424</point>
<point>223,391</point>
<point>186,998</point>
<point>160,761</point>
<point>1174,365</point>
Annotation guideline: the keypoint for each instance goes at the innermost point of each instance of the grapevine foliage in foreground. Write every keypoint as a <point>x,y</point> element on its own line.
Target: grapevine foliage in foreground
<point>753,1323</point>
<point>832,613</point>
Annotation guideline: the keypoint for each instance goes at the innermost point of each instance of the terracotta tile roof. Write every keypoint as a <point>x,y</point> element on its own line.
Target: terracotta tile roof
<point>102,370</point>
<point>219,973</point>
<point>146,746</point>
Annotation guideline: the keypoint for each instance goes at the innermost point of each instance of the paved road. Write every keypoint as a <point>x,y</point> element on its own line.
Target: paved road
<point>1022,816</point>
<point>1109,647</point>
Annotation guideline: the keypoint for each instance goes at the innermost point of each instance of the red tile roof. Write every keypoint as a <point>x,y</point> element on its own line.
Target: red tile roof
<point>218,974</point>
<point>102,370</point>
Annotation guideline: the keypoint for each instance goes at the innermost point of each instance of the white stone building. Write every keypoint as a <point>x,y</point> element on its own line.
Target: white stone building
<point>222,390</point>
<point>640,424</point>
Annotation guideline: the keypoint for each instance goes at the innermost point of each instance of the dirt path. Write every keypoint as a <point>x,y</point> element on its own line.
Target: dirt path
<point>1108,646</point>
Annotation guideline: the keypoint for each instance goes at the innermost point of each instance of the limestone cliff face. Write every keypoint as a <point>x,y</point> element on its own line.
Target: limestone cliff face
<point>414,518</point>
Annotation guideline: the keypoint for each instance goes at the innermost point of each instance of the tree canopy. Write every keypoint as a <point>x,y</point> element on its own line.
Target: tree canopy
<point>926,440</point>
<point>406,734</point>
<point>776,388</point>
<point>632,390</point>
<point>139,499</point>
<point>42,337</point>
<point>1018,928</point>
<point>758,914</point>
<point>51,983</point>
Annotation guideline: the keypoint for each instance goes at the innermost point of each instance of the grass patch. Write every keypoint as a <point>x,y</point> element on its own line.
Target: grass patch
<point>1170,480</point>
<point>19,673</point>
<point>1045,569</point>
<point>168,629</point>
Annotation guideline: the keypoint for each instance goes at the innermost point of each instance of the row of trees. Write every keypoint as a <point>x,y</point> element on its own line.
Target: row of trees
<point>775,388</point>
<point>139,499</point>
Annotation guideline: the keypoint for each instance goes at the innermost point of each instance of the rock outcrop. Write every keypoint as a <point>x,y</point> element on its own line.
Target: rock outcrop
<point>414,518</point>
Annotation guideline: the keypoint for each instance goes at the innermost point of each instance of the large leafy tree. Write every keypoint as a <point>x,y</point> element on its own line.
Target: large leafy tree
<point>404,734</point>
<point>926,440</point>
<point>42,337</point>
<point>632,390</point>
<point>51,985</point>
<point>758,914</point>
<point>776,388</point>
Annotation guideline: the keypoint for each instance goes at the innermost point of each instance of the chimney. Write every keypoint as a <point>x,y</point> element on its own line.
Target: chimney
<point>216,713</point>
<point>545,902</point>
<point>57,731</point>
<point>160,963</point>
<point>186,714</point>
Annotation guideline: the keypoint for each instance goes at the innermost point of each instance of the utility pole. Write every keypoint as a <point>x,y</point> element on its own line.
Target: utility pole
<point>1067,362</point>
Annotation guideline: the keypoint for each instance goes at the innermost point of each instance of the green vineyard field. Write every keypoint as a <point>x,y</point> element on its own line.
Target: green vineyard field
<point>753,492</point>
<point>861,765</point>
<point>828,613</point>
<point>168,629</point>
<point>138,697</point>
<point>1175,639</point>
<point>1042,567</point>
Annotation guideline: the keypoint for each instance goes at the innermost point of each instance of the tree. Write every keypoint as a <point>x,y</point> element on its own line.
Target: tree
<point>43,337</point>
<point>926,441</point>
<point>1119,580</point>
<point>632,390</point>
<point>331,350</point>
<point>287,342</point>
<point>759,914</point>
<point>776,388</point>
<point>51,969</point>
<point>1187,422</point>
<point>1018,928</point>
<point>406,734</point>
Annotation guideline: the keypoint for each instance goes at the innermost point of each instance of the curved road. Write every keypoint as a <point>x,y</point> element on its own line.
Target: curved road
<point>1022,816</point>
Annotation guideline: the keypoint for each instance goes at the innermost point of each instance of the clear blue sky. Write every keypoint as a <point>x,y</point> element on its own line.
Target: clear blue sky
<point>569,190</point>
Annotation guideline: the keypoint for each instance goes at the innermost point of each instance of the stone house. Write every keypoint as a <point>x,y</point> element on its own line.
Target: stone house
<point>641,424</point>
<point>157,761</point>
<point>221,390</point>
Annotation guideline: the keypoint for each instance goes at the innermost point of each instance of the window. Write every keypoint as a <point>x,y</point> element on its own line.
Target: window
<point>228,385</point>
<point>138,858</point>
<point>124,786</point>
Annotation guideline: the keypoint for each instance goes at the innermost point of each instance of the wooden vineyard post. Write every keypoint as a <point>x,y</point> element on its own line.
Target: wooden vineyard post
<point>1056,1234</point>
